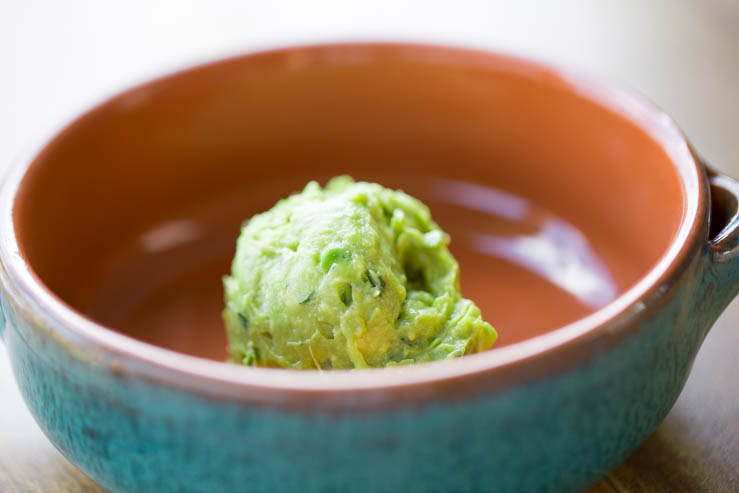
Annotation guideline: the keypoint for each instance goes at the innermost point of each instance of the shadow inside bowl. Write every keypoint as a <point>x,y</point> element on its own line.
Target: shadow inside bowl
<point>164,286</point>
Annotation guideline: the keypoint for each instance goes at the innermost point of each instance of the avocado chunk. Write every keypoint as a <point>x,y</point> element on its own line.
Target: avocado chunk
<point>353,275</point>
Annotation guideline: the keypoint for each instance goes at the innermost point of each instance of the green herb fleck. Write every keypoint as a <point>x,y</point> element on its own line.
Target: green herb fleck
<point>346,294</point>
<point>376,281</point>
<point>308,298</point>
<point>370,279</point>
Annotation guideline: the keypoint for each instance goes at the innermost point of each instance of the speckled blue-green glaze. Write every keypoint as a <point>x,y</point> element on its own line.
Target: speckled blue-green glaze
<point>559,433</point>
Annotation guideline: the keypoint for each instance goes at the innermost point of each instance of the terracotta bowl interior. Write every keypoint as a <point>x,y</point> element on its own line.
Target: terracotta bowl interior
<point>555,204</point>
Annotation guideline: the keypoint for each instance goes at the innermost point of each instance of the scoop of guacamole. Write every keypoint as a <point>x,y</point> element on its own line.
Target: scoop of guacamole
<point>353,275</point>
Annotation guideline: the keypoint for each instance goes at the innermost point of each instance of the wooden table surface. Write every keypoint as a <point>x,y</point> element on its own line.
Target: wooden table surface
<point>684,54</point>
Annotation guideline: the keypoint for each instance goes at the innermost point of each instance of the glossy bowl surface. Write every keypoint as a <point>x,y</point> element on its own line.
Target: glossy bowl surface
<point>578,212</point>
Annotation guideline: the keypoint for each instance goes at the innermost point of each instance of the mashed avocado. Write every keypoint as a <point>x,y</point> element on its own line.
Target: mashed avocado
<point>354,275</point>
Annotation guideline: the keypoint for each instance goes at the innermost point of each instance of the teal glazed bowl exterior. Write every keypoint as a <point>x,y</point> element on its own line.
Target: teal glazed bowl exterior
<point>553,412</point>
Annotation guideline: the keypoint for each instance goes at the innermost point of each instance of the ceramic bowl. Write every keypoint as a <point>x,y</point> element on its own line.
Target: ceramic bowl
<point>586,228</point>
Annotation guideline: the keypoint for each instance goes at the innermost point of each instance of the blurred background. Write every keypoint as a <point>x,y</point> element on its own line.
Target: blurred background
<point>58,58</point>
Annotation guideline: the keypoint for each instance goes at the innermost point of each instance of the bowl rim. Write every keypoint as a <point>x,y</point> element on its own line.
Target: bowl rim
<point>564,347</point>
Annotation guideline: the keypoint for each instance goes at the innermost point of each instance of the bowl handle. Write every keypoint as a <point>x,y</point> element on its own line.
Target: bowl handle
<point>723,239</point>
